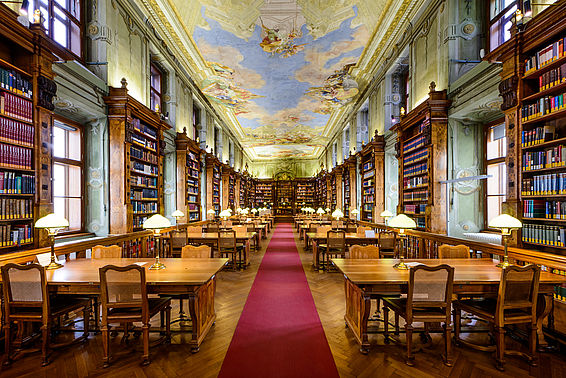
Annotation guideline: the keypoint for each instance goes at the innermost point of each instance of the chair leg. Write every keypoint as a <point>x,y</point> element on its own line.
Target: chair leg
<point>7,344</point>
<point>45,333</point>
<point>96,314</point>
<point>145,331</point>
<point>500,348</point>
<point>386,324</point>
<point>533,338</point>
<point>457,314</point>
<point>168,324</point>
<point>410,360</point>
<point>448,345</point>
<point>86,320</point>
<point>396,324</point>
<point>106,345</point>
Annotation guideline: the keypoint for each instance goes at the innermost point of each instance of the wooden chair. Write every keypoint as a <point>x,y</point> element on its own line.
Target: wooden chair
<point>361,230</point>
<point>178,240</point>
<point>124,300</point>
<point>194,252</point>
<point>429,300</point>
<point>364,252</point>
<point>335,246</point>
<point>26,300</point>
<point>516,303</point>
<point>228,247</point>
<point>102,252</point>
<point>211,227</point>
<point>250,227</point>
<point>194,230</point>
<point>313,227</point>
<point>460,251</point>
<point>226,224</point>
<point>337,224</point>
<point>387,242</point>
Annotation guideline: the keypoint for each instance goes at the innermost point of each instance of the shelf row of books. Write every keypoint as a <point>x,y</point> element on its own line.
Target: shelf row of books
<point>148,169</point>
<point>415,182</point>
<point>415,156</point>
<point>16,107</point>
<point>144,155</point>
<point>12,235</point>
<point>417,169</point>
<point>416,195</point>
<point>216,189</point>
<point>144,194</point>
<point>144,129</point>
<point>367,166</point>
<point>545,56</point>
<point>12,131</point>
<point>144,207</point>
<point>544,209</point>
<point>16,183</point>
<point>12,81</point>
<point>16,208</point>
<point>552,78</point>
<point>144,142</point>
<point>543,234</point>
<point>148,182</point>
<point>414,144</point>
<point>537,135</point>
<point>232,190</point>
<point>543,106</point>
<point>414,209</point>
<point>550,184</point>
<point>15,157</point>
<point>547,158</point>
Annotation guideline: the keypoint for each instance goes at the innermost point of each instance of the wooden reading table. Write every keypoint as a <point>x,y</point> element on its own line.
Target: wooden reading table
<point>212,238</point>
<point>352,238</point>
<point>474,277</point>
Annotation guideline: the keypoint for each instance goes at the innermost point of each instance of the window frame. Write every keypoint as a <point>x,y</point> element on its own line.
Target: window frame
<point>487,162</point>
<point>76,163</point>
<point>153,66</point>
<point>35,4</point>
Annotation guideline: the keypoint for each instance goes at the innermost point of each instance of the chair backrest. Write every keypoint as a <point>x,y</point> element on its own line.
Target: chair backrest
<point>314,226</point>
<point>518,290</point>
<point>194,252</point>
<point>179,239</point>
<point>123,287</point>
<point>361,230</point>
<point>336,239</point>
<point>241,229</point>
<point>111,251</point>
<point>24,286</point>
<point>324,229</point>
<point>227,223</point>
<point>364,252</point>
<point>430,286</point>
<point>226,240</point>
<point>212,227</point>
<point>460,251</point>
<point>194,230</point>
<point>250,227</point>
<point>387,240</point>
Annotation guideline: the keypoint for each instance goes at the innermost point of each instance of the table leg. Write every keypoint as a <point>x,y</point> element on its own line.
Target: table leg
<point>315,260</point>
<point>201,308</point>
<point>247,252</point>
<point>544,307</point>
<point>358,306</point>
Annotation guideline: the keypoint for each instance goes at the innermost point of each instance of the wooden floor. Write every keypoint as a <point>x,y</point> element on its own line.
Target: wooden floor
<point>232,291</point>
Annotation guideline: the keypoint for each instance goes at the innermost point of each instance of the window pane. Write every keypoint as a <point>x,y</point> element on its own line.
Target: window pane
<point>75,180</point>
<point>59,207</point>
<point>60,32</point>
<point>62,3</point>
<point>74,216</point>
<point>59,142</point>
<point>75,41</point>
<point>496,183</point>
<point>74,147</point>
<point>496,142</point>
<point>494,204</point>
<point>59,180</point>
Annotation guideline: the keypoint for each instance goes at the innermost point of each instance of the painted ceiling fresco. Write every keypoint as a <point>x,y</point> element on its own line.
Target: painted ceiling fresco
<point>282,67</point>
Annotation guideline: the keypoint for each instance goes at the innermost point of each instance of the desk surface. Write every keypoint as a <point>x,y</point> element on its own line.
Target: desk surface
<point>214,235</point>
<point>381,271</point>
<point>349,235</point>
<point>177,272</point>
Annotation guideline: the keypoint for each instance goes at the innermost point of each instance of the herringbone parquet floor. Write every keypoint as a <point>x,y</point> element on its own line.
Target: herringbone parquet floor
<point>232,291</point>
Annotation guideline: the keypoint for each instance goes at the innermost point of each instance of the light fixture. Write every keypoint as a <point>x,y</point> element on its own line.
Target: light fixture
<point>156,223</point>
<point>337,214</point>
<point>52,223</point>
<point>402,222</point>
<point>177,214</point>
<point>387,215</point>
<point>506,223</point>
<point>211,213</point>
<point>355,213</point>
<point>327,209</point>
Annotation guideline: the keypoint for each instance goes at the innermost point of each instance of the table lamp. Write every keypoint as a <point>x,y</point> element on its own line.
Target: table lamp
<point>52,223</point>
<point>402,222</point>
<point>506,223</point>
<point>210,213</point>
<point>254,210</point>
<point>327,209</point>
<point>224,214</point>
<point>156,223</point>
<point>177,214</point>
<point>355,213</point>
<point>387,215</point>
<point>320,212</point>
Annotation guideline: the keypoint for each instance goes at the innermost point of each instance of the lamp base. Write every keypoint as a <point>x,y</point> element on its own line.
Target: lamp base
<point>157,266</point>
<point>401,265</point>
<point>504,264</point>
<point>54,265</point>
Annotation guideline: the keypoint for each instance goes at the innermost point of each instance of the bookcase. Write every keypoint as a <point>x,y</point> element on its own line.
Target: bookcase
<point>346,190</point>
<point>241,184</point>
<point>349,185</point>
<point>228,187</point>
<point>213,183</point>
<point>422,153</point>
<point>264,192</point>
<point>372,172</point>
<point>232,190</point>
<point>333,190</point>
<point>189,168</point>
<point>304,193</point>
<point>285,197</point>
<point>321,190</point>
<point>250,192</point>
<point>136,161</point>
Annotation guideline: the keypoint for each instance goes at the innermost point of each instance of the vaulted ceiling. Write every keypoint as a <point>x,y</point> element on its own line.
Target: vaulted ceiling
<point>279,71</point>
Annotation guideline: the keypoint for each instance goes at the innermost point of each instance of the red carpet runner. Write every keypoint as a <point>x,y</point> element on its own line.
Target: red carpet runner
<point>279,332</point>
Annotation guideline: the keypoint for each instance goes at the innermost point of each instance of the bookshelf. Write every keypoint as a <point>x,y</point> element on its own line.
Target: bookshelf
<point>422,154</point>
<point>241,182</point>
<point>136,161</point>
<point>189,168</point>
<point>349,185</point>
<point>26,121</point>
<point>333,190</point>
<point>346,190</point>
<point>228,187</point>
<point>232,190</point>
<point>264,192</point>
<point>285,197</point>
<point>305,193</point>
<point>367,171</point>
<point>250,192</point>
<point>213,183</point>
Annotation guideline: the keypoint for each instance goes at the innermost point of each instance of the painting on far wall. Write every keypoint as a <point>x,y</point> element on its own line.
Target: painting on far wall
<point>285,74</point>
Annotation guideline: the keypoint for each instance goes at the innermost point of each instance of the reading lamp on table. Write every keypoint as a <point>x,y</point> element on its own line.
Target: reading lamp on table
<point>177,214</point>
<point>52,223</point>
<point>156,223</point>
<point>402,222</point>
<point>506,223</point>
